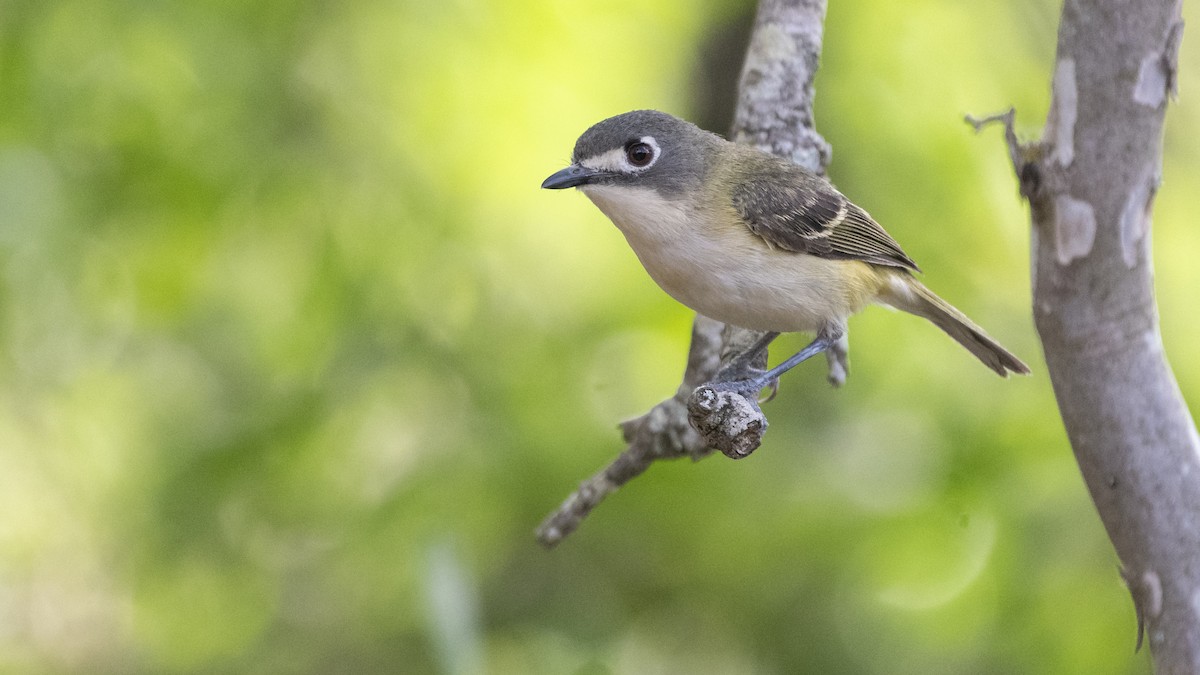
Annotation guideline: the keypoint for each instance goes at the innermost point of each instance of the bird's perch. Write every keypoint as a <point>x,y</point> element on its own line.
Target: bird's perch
<point>774,112</point>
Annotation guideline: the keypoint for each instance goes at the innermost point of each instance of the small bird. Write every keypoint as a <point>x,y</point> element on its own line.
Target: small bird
<point>750,239</point>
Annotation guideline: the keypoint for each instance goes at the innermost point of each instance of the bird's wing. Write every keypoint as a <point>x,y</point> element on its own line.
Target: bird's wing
<point>794,210</point>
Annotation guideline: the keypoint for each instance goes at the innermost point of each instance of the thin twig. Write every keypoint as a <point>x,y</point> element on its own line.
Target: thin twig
<point>662,433</point>
<point>1007,118</point>
<point>1023,156</point>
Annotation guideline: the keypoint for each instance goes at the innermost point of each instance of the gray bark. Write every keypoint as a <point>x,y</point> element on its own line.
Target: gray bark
<point>1091,182</point>
<point>774,112</point>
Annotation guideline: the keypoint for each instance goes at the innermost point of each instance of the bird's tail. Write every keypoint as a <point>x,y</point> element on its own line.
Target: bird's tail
<point>906,293</point>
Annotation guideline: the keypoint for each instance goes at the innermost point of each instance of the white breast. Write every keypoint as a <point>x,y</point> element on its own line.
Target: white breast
<point>726,272</point>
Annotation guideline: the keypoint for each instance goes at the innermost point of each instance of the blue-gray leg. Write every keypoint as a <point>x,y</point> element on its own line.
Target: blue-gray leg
<point>829,338</point>
<point>822,342</point>
<point>743,366</point>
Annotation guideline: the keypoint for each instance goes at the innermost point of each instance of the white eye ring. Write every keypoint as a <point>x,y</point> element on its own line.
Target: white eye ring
<point>616,160</point>
<point>641,154</point>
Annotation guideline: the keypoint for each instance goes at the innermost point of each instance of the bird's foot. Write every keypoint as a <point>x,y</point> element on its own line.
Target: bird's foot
<point>747,381</point>
<point>838,355</point>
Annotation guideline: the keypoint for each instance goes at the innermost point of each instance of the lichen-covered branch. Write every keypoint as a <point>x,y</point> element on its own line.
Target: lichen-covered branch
<point>774,112</point>
<point>1091,181</point>
<point>662,433</point>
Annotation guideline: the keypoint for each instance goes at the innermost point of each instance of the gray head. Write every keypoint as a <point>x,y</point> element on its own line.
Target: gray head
<point>644,148</point>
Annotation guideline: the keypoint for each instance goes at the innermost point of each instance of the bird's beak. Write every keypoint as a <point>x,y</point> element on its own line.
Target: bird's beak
<point>572,176</point>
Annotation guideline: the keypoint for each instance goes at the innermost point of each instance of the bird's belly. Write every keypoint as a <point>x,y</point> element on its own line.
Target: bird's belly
<point>729,274</point>
<point>763,290</point>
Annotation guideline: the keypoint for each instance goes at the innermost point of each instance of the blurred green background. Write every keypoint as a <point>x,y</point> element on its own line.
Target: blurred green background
<point>294,354</point>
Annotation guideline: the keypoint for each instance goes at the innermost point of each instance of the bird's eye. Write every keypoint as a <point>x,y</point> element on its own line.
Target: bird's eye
<point>639,154</point>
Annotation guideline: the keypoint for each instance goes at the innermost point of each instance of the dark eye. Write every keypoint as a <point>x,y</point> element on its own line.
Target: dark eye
<point>639,154</point>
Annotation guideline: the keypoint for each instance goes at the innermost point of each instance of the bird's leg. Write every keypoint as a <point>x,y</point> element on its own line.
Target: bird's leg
<point>740,375</point>
<point>742,366</point>
<point>829,337</point>
<point>825,340</point>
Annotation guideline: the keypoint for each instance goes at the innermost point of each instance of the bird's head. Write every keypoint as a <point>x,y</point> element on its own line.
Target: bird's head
<point>644,149</point>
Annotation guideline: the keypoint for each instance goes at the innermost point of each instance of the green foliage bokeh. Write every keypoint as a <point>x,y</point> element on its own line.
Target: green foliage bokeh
<point>294,355</point>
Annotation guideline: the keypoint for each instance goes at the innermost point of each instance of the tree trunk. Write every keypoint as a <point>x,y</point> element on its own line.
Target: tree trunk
<point>1091,183</point>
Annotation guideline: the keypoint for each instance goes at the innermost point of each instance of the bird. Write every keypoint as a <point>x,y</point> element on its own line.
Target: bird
<point>750,239</point>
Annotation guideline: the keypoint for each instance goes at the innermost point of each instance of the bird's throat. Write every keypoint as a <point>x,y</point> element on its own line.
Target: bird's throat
<point>642,214</point>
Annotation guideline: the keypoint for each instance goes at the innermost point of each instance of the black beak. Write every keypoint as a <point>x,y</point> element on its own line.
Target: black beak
<point>572,176</point>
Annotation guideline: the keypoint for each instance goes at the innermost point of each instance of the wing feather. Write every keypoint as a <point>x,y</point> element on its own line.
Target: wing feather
<point>794,210</point>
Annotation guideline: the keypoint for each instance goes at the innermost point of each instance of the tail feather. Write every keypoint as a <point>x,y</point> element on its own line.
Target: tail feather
<point>907,294</point>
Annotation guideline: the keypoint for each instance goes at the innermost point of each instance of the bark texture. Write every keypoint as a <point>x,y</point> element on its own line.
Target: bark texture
<point>774,112</point>
<point>1091,182</point>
